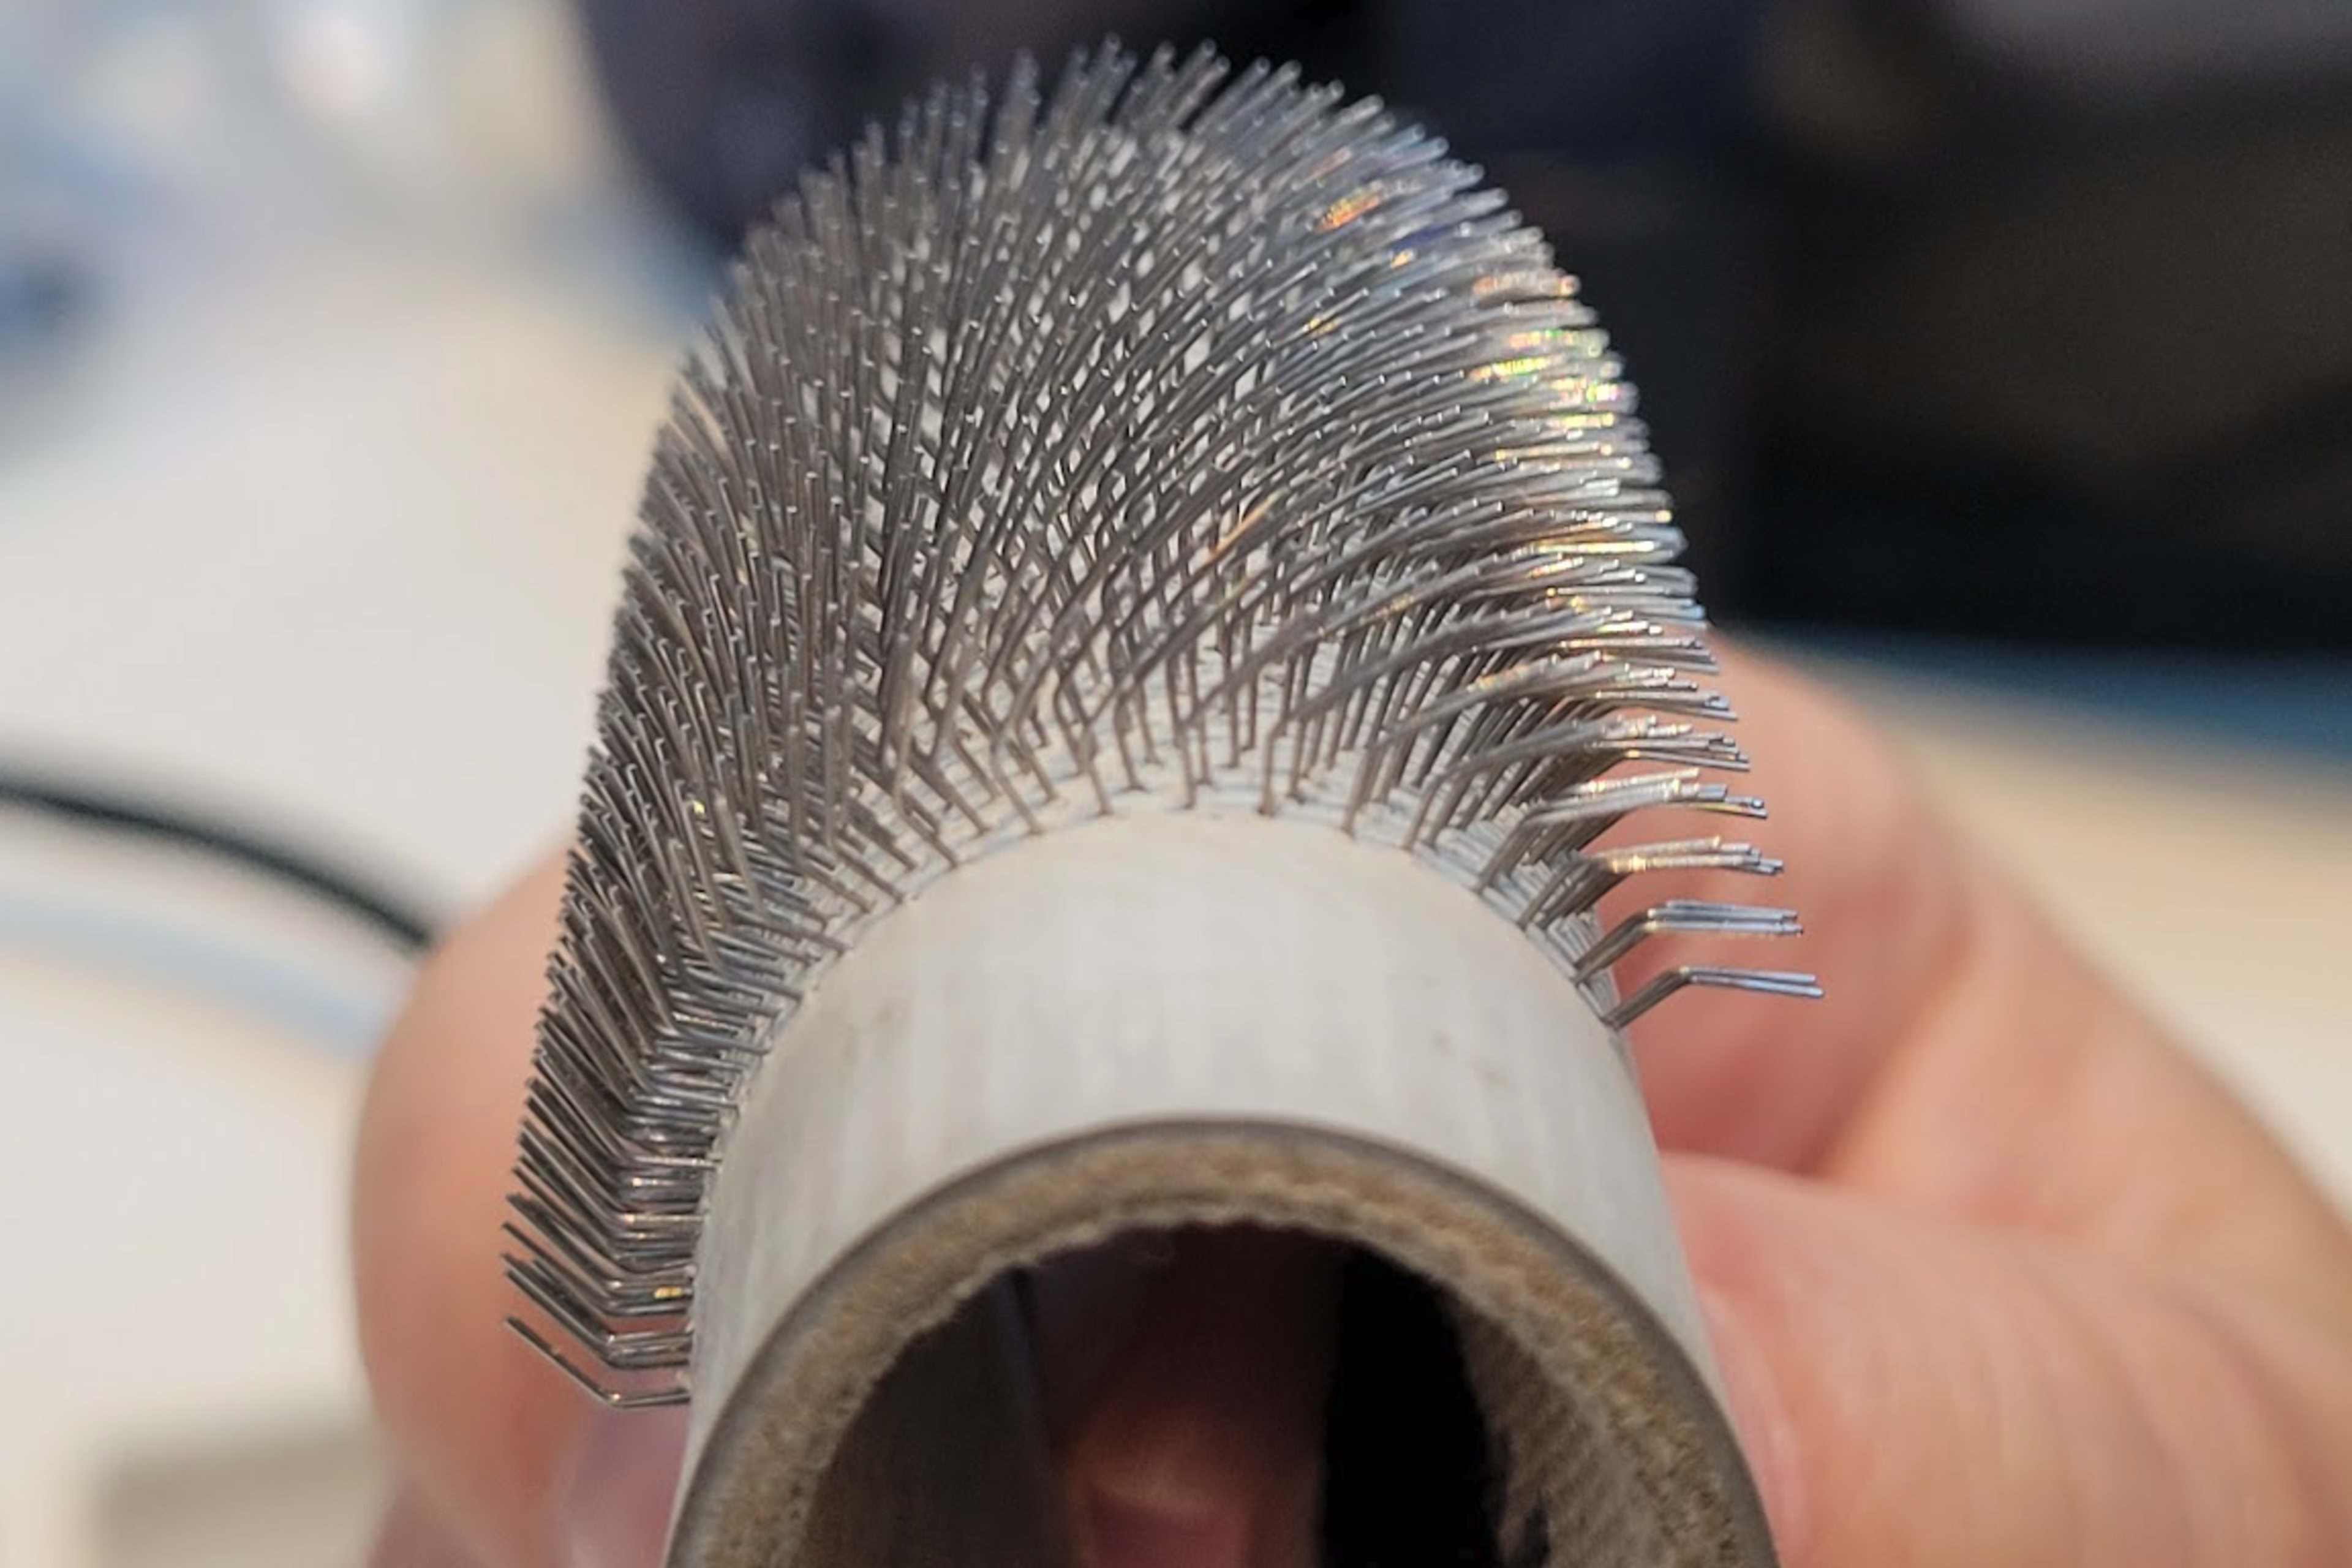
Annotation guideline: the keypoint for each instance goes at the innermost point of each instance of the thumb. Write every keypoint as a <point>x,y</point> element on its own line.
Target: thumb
<point>1944,1397</point>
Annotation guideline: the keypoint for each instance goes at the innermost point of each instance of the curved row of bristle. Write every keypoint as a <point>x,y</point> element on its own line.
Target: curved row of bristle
<point>1168,441</point>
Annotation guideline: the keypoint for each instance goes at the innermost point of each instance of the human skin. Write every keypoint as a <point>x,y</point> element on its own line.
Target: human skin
<point>1996,1275</point>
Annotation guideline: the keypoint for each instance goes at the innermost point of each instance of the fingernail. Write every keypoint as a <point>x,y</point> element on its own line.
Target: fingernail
<point>1759,1415</point>
<point>1132,1533</point>
<point>618,1505</point>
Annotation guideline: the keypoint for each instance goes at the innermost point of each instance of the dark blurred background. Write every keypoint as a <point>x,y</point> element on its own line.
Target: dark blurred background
<point>2026,318</point>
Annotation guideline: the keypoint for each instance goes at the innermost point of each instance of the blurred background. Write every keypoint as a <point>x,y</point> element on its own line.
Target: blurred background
<point>2000,350</point>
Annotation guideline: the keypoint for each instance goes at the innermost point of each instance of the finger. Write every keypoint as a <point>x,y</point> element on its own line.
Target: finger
<point>2026,1095</point>
<point>1875,878</point>
<point>1202,1445</point>
<point>1944,1398</point>
<point>1965,1058</point>
<point>526,1473</point>
<point>498,1444</point>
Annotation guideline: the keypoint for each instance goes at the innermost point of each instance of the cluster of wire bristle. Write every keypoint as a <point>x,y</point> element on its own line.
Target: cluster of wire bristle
<point>1174,439</point>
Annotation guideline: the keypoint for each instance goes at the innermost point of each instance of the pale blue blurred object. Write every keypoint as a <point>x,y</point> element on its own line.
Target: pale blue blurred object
<point>158,157</point>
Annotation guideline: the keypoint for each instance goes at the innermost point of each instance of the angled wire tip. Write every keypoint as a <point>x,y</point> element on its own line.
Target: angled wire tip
<point>1759,981</point>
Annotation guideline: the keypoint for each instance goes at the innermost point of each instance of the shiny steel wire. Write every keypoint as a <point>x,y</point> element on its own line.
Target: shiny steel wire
<point>1175,439</point>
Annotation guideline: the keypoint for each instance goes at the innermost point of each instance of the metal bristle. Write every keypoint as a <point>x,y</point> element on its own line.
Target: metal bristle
<point>1177,440</point>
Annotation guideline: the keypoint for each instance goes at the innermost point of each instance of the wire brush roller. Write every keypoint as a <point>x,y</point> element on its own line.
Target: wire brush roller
<point>1145,604</point>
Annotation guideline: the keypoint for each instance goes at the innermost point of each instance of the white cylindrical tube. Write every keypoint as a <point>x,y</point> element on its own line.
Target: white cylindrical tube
<point>1169,1018</point>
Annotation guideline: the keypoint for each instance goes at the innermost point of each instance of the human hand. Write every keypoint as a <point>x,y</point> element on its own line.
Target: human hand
<point>1994,1273</point>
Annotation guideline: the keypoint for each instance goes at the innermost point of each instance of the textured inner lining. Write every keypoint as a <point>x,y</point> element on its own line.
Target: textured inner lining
<point>1428,1455</point>
<point>1606,1440</point>
<point>1562,1481</point>
<point>946,1464</point>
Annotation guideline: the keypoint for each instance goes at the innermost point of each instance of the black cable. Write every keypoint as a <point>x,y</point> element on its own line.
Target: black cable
<point>120,812</point>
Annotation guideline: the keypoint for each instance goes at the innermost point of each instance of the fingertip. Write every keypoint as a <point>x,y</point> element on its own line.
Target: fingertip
<point>1759,1417</point>
<point>481,1428</point>
<point>1869,870</point>
<point>1737,1244</point>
